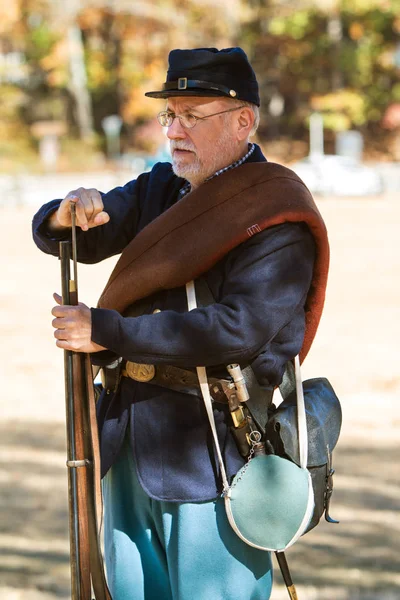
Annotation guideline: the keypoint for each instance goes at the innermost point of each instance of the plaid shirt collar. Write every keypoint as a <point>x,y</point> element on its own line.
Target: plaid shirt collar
<point>185,189</point>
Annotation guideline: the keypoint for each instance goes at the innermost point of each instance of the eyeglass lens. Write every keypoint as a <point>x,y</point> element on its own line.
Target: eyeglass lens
<point>166,119</point>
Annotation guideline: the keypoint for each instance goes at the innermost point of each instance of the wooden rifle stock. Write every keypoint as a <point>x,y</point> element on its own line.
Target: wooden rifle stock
<point>84,491</point>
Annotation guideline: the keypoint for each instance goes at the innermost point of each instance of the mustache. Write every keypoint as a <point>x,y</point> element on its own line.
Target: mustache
<point>174,145</point>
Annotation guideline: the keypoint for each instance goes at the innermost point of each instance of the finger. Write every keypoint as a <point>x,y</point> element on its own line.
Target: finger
<point>99,216</point>
<point>61,334</point>
<point>63,344</point>
<point>57,298</point>
<point>64,211</point>
<point>68,345</point>
<point>88,205</point>
<point>81,218</point>
<point>72,197</point>
<point>97,201</point>
<point>58,323</point>
<point>102,218</point>
<point>60,311</point>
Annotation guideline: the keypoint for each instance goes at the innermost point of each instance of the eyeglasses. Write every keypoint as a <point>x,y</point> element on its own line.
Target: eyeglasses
<point>187,120</point>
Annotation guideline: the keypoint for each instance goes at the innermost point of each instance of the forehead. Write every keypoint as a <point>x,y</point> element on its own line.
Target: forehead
<point>180,103</point>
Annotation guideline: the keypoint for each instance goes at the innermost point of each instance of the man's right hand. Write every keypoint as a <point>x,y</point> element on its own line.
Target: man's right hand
<point>89,210</point>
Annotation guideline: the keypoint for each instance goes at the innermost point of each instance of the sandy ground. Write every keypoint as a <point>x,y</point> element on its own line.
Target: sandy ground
<point>356,348</point>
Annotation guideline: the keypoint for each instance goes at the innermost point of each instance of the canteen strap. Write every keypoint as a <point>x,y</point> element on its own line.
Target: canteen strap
<point>302,429</point>
<point>205,390</point>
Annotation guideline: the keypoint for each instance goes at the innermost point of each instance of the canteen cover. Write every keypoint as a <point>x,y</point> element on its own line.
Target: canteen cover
<point>270,502</point>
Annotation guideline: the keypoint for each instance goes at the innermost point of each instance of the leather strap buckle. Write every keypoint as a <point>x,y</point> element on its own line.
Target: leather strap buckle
<point>182,83</point>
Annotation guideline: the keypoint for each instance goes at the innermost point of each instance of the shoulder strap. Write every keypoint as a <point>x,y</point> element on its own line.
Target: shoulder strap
<point>301,411</point>
<point>205,390</point>
<point>260,399</point>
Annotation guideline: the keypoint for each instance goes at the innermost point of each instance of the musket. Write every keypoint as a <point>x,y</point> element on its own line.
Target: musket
<point>84,491</point>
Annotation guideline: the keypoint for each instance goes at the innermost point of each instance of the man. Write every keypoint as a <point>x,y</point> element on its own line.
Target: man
<point>215,217</point>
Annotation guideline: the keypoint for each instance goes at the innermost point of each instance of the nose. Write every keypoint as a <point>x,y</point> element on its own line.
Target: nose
<point>176,131</point>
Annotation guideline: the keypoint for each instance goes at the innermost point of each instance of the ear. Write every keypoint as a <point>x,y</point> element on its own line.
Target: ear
<point>245,123</point>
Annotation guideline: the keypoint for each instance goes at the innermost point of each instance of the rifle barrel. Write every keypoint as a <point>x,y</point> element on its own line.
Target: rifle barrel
<point>73,509</point>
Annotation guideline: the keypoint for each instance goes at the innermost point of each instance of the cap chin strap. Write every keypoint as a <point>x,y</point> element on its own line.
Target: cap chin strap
<point>183,83</point>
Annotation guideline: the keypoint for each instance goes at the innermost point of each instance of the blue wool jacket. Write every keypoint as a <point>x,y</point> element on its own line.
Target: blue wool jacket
<point>257,318</point>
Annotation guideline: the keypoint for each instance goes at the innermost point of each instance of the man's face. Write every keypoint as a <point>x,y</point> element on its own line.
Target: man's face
<point>199,152</point>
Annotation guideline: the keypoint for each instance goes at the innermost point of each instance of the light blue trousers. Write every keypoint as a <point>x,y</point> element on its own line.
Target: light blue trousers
<point>157,550</point>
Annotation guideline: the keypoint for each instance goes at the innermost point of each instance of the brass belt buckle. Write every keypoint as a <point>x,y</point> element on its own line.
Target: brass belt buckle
<point>140,371</point>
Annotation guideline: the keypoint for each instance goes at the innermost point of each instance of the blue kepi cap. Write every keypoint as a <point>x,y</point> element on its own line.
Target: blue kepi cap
<point>210,72</point>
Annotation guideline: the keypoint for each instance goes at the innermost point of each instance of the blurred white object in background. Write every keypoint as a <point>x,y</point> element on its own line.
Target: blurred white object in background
<point>338,176</point>
<point>112,128</point>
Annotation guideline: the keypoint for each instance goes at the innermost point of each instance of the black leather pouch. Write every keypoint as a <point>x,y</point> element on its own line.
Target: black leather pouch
<point>324,419</point>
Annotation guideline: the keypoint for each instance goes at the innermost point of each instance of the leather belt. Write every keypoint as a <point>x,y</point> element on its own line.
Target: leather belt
<point>179,380</point>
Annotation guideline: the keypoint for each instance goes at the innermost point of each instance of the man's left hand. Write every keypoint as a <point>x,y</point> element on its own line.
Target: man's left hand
<point>73,327</point>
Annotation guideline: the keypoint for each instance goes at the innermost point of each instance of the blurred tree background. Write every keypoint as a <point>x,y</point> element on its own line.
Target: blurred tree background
<point>66,66</point>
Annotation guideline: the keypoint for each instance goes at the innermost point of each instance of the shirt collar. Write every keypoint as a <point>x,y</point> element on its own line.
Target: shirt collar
<point>185,189</point>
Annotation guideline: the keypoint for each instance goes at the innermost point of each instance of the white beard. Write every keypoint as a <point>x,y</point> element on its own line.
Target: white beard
<point>220,155</point>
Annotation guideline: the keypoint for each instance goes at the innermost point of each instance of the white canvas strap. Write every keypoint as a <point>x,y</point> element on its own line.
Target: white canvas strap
<point>301,416</point>
<point>301,411</point>
<point>202,375</point>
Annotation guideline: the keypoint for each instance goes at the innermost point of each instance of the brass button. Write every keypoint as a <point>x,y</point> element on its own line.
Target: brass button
<point>156,310</point>
<point>233,93</point>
